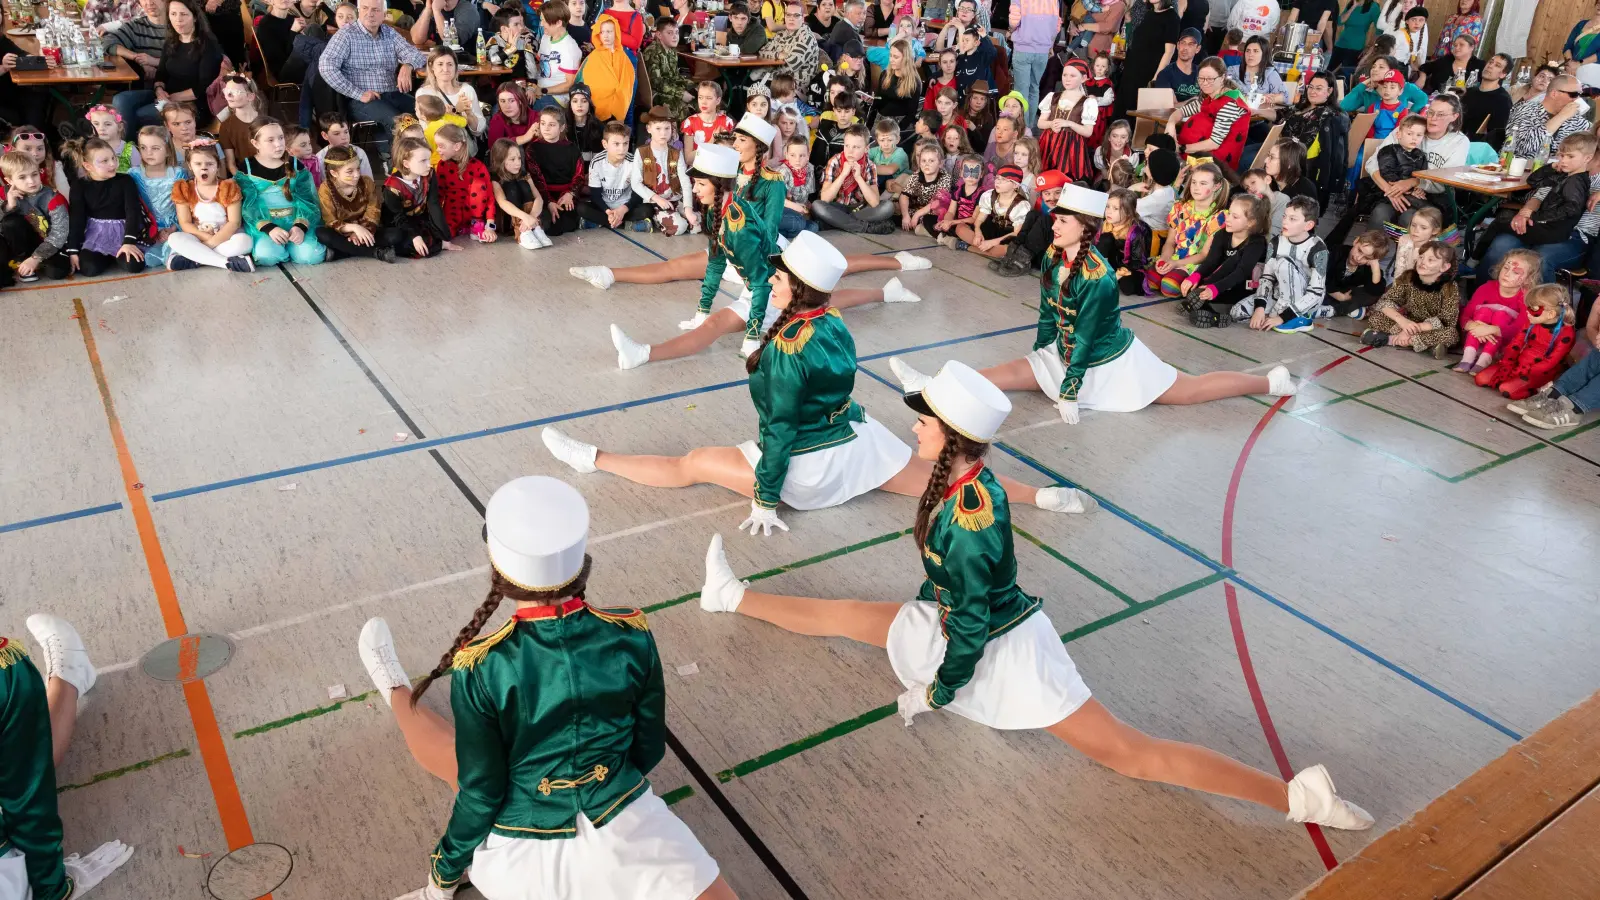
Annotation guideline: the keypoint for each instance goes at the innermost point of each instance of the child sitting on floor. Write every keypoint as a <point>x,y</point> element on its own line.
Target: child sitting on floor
<point>210,210</point>
<point>558,170</point>
<point>1356,280</point>
<point>352,211</point>
<point>281,212</point>
<point>1292,292</point>
<point>1425,227</point>
<point>465,194</point>
<point>1420,309</point>
<point>107,125</point>
<point>1190,228</point>
<point>1535,352</point>
<point>1225,274</point>
<point>108,222</point>
<point>660,177</point>
<point>1002,210</point>
<point>799,183</point>
<point>920,206</point>
<point>435,115</point>
<point>35,224</point>
<point>1259,184</point>
<point>1497,310</point>
<point>515,196</point>
<point>411,201</point>
<point>155,175</point>
<point>1125,241</point>
<point>1155,192</point>
<point>301,147</point>
<point>961,203</point>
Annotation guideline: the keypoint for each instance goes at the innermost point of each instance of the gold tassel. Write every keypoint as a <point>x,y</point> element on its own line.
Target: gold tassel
<point>473,653</point>
<point>11,653</point>
<point>795,342</point>
<point>1094,267</point>
<point>978,517</point>
<point>633,618</point>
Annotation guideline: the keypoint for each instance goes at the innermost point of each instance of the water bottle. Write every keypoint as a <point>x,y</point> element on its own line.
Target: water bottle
<point>1508,150</point>
<point>483,51</point>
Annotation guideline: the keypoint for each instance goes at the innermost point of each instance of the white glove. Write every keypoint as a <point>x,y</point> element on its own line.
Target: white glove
<point>691,324</point>
<point>92,869</point>
<point>1068,410</point>
<point>748,347</point>
<point>913,703</point>
<point>762,519</point>
<point>429,893</point>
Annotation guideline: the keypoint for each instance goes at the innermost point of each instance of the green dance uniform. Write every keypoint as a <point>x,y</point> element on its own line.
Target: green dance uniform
<point>1081,318</point>
<point>562,711</point>
<point>747,236</point>
<point>29,822</point>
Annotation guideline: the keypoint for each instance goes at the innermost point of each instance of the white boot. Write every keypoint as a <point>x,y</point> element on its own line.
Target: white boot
<point>691,324</point>
<point>1280,383</point>
<point>1066,500</point>
<point>723,590</point>
<point>544,241</point>
<point>895,292</point>
<point>911,381</point>
<point>377,654</point>
<point>64,654</point>
<point>1312,798</point>
<point>599,276</point>
<point>575,453</point>
<point>630,353</point>
<point>912,263</point>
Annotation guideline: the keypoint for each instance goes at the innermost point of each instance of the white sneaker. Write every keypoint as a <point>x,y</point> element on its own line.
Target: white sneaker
<point>723,590</point>
<point>599,276</point>
<point>377,654</point>
<point>1312,798</point>
<point>529,241</point>
<point>911,381</point>
<point>1066,500</point>
<point>691,324</point>
<point>574,453</point>
<point>544,241</point>
<point>630,353</point>
<point>731,275</point>
<point>895,292</point>
<point>64,654</point>
<point>911,263</point>
<point>1280,383</point>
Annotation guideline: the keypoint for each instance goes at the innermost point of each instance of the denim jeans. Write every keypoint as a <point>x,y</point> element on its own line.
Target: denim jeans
<point>792,223</point>
<point>1581,383</point>
<point>382,111</point>
<point>136,108</point>
<point>1027,70</point>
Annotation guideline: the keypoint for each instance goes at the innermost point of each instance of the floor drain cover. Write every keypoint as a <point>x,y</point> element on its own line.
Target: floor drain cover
<point>251,871</point>
<point>189,657</point>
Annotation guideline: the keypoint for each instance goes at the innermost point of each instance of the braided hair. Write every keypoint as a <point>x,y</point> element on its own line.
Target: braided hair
<point>711,215</point>
<point>1091,227</point>
<point>499,589</point>
<point>956,445</point>
<point>802,297</point>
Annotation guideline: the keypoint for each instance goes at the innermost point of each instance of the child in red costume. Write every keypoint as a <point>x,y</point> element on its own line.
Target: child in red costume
<point>465,191</point>
<point>1532,357</point>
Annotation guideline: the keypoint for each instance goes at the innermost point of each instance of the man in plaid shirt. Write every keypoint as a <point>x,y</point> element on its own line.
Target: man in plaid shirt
<point>371,63</point>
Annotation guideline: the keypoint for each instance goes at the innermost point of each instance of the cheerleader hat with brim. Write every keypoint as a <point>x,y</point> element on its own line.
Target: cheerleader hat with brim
<point>758,128</point>
<point>814,261</point>
<point>1078,199</point>
<point>537,529</point>
<point>715,161</point>
<point>964,401</point>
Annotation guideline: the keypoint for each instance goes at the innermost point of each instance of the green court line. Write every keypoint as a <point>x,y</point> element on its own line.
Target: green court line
<point>1191,337</point>
<point>790,567</point>
<point>1343,397</point>
<point>1106,586</point>
<point>676,794</point>
<point>125,770</point>
<point>1426,427</point>
<point>1574,432</point>
<point>1146,606</point>
<point>302,716</point>
<point>1493,463</point>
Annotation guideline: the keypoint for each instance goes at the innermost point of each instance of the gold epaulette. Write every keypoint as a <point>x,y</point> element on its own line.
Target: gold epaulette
<point>795,335</point>
<point>974,510</point>
<point>473,653</point>
<point>632,618</point>
<point>11,652</point>
<point>1094,267</point>
<point>769,174</point>
<point>733,217</point>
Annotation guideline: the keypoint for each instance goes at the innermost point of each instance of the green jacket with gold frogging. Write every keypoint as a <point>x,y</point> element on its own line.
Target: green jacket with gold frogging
<point>748,237</point>
<point>29,821</point>
<point>560,711</point>
<point>1080,317</point>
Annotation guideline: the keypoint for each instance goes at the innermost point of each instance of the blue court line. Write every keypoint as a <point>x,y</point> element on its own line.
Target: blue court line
<point>943,343</point>
<point>1148,303</point>
<point>1234,576</point>
<point>60,517</point>
<point>906,250</point>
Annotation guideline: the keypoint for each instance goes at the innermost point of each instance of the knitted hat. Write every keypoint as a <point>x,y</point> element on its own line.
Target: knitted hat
<point>1163,166</point>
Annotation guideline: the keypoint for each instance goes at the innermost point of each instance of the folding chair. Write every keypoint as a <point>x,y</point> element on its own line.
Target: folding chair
<point>285,95</point>
<point>1360,127</point>
<point>1156,98</point>
<point>1261,155</point>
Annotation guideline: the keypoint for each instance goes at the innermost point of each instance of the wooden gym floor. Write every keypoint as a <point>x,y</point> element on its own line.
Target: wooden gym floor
<point>1385,574</point>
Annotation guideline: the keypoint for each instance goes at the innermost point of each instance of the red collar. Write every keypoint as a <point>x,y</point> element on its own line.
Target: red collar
<point>811,313</point>
<point>964,480</point>
<point>550,612</point>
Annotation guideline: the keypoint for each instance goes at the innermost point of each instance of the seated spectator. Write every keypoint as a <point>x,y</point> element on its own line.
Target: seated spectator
<point>1190,227</point>
<point>673,89</point>
<point>847,28</point>
<point>1002,146</point>
<point>823,18</point>
<point>829,140</point>
<point>1179,75</point>
<point>889,162</point>
<point>1387,109</point>
<point>799,184</point>
<point>945,79</point>
<point>1456,71</point>
<point>411,206</point>
<point>1549,120</point>
<point>1563,403</point>
<point>1156,194</point>
<point>920,204</point>
<point>953,141</point>
<point>1497,310</point>
<point>1425,226</point>
<point>1037,232</point>
<point>276,31</point>
<point>744,33</point>
<point>611,201</point>
<point>372,65</point>
<point>210,215</point>
<point>1355,274</point>
<point>1548,221</point>
<point>335,134</point>
<point>1125,241</point>
<point>1445,146</point>
<point>977,114</point>
<point>1420,309</point>
<point>1291,293</point>
<point>435,115</point>
<point>966,17</point>
<point>1223,278</point>
<point>560,55</point>
<point>514,48</point>
<point>281,210</point>
<point>708,121</point>
<point>558,171</point>
<point>352,217</point>
<point>848,197</point>
<point>35,224</point>
<point>465,15</point>
<point>442,79</point>
<point>1364,95</point>
<point>108,225</point>
<point>899,87</point>
<point>1486,106</point>
<point>1257,183</point>
<point>1320,126</point>
<point>139,41</point>
<point>1534,353</point>
<point>1391,177</point>
<point>107,15</point>
<point>1002,212</point>
<point>1215,122</point>
<point>961,206</point>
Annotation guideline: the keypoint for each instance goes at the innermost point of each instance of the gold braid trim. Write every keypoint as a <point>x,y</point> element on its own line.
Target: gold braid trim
<point>980,514</point>
<point>794,336</point>
<point>546,785</point>
<point>1093,267</point>
<point>473,653</point>
<point>632,618</point>
<point>11,653</point>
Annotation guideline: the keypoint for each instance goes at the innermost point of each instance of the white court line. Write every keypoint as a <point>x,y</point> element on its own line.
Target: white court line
<point>312,616</point>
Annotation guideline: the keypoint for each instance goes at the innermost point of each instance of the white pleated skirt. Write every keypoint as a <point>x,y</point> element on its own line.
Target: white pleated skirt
<point>834,475</point>
<point>14,876</point>
<point>644,853</point>
<point>1128,383</point>
<point>1024,680</point>
<point>741,308</point>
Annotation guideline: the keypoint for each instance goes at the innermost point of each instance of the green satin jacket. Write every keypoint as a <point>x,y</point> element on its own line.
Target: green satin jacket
<point>801,391</point>
<point>972,575</point>
<point>747,236</point>
<point>1080,317</point>
<point>28,818</point>
<point>560,711</point>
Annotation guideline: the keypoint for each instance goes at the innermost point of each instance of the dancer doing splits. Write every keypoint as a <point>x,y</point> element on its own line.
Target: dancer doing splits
<point>559,715</point>
<point>817,447</point>
<point>1082,355</point>
<point>974,643</point>
<point>37,716</point>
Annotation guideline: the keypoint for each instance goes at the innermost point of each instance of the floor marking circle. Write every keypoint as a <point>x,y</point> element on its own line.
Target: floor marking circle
<point>252,871</point>
<point>187,657</point>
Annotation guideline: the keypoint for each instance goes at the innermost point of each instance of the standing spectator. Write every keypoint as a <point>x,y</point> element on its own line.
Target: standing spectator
<point>276,32</point>
<point>1486,106</point>
<point>1255,17</point>
<point>1150,48</point>
<point>1320,16</point>
<point>1543,123</point>
<point>794,45</point>
<point>609,75</point>
<point>465,14</point>
<point>1034,26</point>
<point>1217,25</point>
<point>372,65</point>
<point>98,14</point>
<point>227,26</point>
<point>974,60</point>
<point>1467,22</point>
<point>672,87</point>
<point>1583,44</point>
<point>1355,32</point>
<point>1180,74</point>
<point>1194,13</point>
<point>139,41</point>
<point>1411,44</point>
<point>1392,17</point>
<point>1104,24</point>
<point>559,55</point>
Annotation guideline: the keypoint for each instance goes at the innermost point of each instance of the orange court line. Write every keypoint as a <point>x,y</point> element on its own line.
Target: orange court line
<point>63,283</point>
<point>214,756</point>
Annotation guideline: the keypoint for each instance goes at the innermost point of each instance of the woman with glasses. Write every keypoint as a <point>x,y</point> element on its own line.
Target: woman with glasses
<point>1446,146</point>
<point>1215,123</point>
<point>1323,128</point>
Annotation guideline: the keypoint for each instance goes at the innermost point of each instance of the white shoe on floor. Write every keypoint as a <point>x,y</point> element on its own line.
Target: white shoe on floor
<point>731,275</point>
<point>529,241</point>
<point>910,262</point>
<point>1280,383</point>
<point>691,324</point>
<point>1312,798</point>
<point>895,292</point>
<point>911,381</point>
<point>630,353</point>
<point>544,241</point>
<point>575,453</point>
<point>377,654</point>
<point>723,590</point>
<point>1066,500</point>
<point>64,654</point>
<point>599,276</point>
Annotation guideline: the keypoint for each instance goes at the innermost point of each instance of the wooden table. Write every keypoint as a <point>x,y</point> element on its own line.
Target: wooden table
<point>75,76</point>
<point>718,64</point>
<point>1501,186</point>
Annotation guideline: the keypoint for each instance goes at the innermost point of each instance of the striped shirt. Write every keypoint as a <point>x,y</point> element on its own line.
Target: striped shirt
<point>139,35</point>
<point>1226,116</point>
<point>1528,121</point>
<point>357,61</point>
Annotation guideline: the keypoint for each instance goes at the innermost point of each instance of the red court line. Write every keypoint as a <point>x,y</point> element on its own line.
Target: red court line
<point>213,754</point>
<point>1242,646</point>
